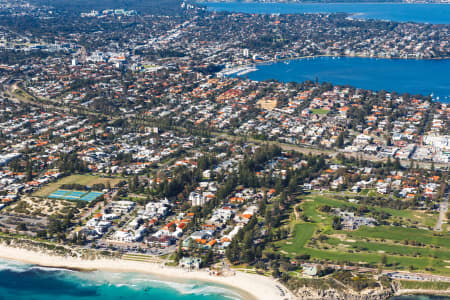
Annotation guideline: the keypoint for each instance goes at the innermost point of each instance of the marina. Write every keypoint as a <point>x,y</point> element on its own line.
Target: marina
<point>237,71</point>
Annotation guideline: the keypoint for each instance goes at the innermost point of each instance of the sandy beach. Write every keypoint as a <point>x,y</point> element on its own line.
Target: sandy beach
<point>249,286</point>
<point>406,292</point>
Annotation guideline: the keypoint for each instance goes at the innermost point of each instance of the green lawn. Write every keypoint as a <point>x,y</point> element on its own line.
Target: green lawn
<point>406,215</point>
<point>400,234</point>
<point>301,235</point>
<point>78,179</point>
<point>398,262</point>
<point>398,249</point>
<point>310,210</point>
<point>368,244</point>
<point>319,111</point>
<point>425,285</point>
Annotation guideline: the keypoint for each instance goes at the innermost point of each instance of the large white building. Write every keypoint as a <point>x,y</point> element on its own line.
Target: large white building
<point>197,199</point>
<point>439,142</point>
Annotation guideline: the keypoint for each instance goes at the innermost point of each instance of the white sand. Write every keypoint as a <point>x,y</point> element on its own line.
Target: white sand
<point>422,292</point>
<point>250,286</point>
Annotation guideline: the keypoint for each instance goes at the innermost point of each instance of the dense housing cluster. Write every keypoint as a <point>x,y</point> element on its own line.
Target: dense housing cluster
<point>122,130</point>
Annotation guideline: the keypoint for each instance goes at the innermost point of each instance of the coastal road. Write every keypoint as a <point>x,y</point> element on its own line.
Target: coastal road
<point>400,275</point>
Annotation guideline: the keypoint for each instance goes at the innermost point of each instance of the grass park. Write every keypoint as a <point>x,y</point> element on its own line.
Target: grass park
<point>426,285</point>
<point>81,179</point>
<point>403,247</point>
<point>319,111</point>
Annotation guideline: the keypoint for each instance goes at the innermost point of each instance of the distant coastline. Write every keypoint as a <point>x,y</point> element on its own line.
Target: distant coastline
<point>349,56</point>
<point>278,60</point>
<point>320,2</point>
<point>261,70</point>
<point>416,12</point>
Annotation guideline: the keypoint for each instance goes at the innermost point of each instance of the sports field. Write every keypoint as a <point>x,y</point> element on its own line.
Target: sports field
<point>75,179</point>
<point>75,195</point>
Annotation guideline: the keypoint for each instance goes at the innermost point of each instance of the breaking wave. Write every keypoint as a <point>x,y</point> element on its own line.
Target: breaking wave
<point>96,283</point>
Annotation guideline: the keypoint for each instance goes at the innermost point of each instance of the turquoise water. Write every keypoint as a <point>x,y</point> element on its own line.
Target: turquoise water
<point>26,282</point>
<point>401,12</point>
<point>403,76</point>
<point>75,195</point>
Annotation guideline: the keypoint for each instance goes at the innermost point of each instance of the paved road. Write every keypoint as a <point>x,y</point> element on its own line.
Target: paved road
<point>401,275</point>
<point>306,149</point>
<point>442,213</point>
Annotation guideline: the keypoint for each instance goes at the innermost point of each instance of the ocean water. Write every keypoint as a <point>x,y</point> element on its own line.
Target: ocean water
<point>419,297</point>
<point>424,77</point>
<point>401,12</point>
<point>20,281</point>
<point>27,282</point>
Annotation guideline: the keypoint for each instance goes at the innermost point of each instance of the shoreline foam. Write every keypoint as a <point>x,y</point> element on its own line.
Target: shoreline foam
<point>248,286</point>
